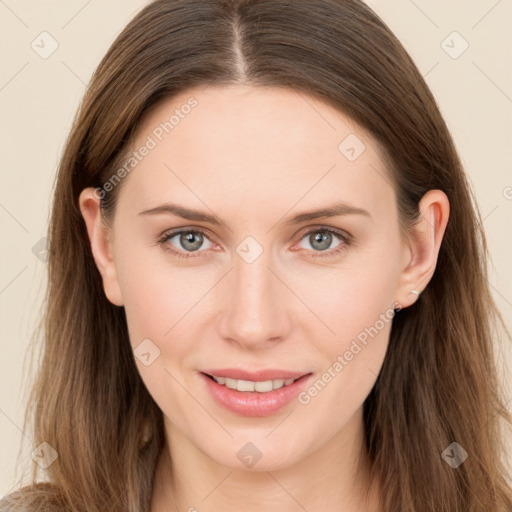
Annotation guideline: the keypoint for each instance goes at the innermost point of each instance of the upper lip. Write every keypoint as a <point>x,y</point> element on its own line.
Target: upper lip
<point>258,376</point>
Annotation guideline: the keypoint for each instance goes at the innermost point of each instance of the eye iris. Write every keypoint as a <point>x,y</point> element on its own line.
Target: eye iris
<point>322,237</point>
<point>195,239</point>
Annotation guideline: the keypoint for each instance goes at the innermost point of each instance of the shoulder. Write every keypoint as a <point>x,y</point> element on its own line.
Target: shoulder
<point>39,497</point>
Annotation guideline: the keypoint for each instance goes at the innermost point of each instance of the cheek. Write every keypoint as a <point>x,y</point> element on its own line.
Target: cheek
<point>161,302</point>
<point>158,295</point>
<point>359,312</point>
<point>353,308</point>
<point>348,299</point>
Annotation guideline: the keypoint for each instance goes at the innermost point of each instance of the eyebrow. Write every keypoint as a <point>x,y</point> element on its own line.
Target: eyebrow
<point>199,216</point>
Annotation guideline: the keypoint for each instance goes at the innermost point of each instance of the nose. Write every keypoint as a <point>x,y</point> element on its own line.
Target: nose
<point>255,304</point>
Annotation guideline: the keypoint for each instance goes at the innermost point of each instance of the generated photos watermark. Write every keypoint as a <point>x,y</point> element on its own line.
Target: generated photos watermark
<point>152,141</point>
<point>356,346</point>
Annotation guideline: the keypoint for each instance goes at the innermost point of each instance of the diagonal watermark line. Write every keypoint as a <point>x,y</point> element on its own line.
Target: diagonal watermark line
<point>291,496</point>
<point>14,218</point>
<point>383,177</point>
<point>371,371</point>
<point>15,425</point>
<point>424,13</point>
<point>17,485</point>
<point>74,73</point>
<point>13,279</point>
<point>503,297</point>
<point>495,415</point>
<point>14,76</point>
<point>492,81</point>
<point>280,423</point>
<point>305,99</point>
<point>486,14</point>
<point>480,222</point>
<point>428,221</point>
<point>75,15</point>
<point>217,486</point>
<point>431,69</point>
<point>165,165</point>
<point>426,278</point>
<point>301,300</point>
<point>282,216</point>
<point>3,2</point>
<point>206,293</point>
<point>490,213</point>
<point>199,403</point>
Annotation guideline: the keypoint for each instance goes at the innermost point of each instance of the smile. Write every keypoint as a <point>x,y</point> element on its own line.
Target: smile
<point>252,386</point>
<point>263,396</point>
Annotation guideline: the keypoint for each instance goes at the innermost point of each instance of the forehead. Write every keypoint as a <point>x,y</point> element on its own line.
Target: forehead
<point>249,146</point>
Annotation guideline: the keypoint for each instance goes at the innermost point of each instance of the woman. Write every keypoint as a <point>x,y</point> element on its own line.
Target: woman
<point>205,348</point>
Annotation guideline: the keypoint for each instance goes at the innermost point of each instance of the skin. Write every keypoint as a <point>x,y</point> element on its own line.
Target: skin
<point>255,157</point>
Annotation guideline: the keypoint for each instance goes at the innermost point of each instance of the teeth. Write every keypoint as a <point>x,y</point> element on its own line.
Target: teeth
<point>248,385</point>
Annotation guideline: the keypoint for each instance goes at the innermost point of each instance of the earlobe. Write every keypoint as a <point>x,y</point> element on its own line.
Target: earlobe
<point>423,246</point>
<point>100,241</point>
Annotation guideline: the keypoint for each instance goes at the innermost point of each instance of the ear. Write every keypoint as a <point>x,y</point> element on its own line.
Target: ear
<point>422,248</point>
<point>100,237</point>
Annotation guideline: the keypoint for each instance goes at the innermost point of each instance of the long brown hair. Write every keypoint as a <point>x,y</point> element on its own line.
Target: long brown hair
<point>438,383</point>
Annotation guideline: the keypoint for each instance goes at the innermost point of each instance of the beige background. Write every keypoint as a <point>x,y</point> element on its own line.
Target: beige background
<point>38,98</point>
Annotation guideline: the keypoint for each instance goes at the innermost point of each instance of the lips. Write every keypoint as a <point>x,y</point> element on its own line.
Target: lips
<point>246,401</point>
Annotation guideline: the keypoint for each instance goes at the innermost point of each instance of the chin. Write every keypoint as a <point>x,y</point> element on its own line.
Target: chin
<point>257,456</point>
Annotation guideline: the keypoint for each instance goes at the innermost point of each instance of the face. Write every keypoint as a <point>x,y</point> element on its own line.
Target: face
<point>221,269</point>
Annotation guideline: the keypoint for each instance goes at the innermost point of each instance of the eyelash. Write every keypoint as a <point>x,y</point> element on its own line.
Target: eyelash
<point>345,238</point>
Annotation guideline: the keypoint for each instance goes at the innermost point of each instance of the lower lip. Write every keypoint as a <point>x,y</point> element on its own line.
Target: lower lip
<point>254,403</point>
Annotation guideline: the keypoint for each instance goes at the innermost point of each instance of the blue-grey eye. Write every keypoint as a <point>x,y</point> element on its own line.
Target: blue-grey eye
<point>320,239</point>
<point>188,240</point>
